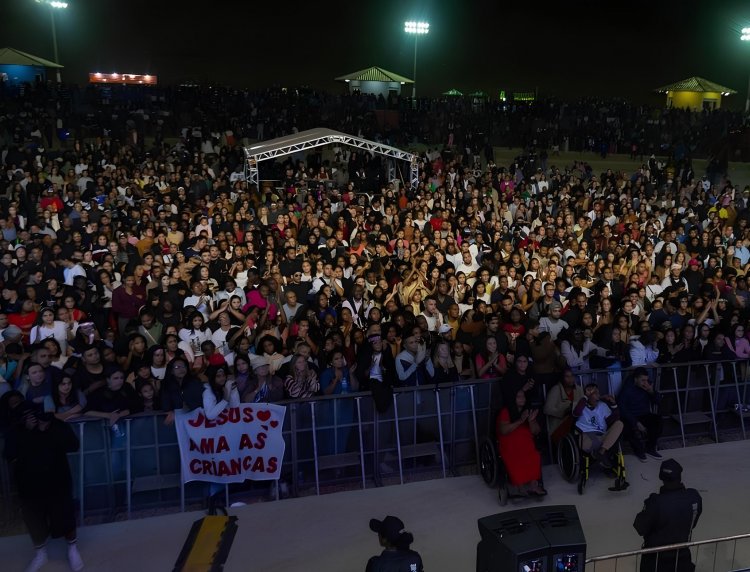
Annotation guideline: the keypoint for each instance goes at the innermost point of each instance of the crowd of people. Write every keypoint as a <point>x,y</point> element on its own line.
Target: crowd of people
<point>148,275</point>
<point>139,113</point>
<point>133,275</point>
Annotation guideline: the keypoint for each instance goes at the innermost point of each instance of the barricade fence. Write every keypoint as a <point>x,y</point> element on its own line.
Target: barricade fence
<point>427,431</point>
<point>729,553</point>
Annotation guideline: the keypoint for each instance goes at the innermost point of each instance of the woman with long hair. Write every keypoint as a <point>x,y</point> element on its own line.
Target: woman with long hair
<point>242,372</point>
<point>462,360</point>
<point>302,381</point>
<point>180,389</point>
<point>219,392</point>
<point>192,335</point>
<point>136,353</point>
<point>737,342</point>
<point>66,400</point>
<point>48,327</point>
<point>156,359</point>
<point>489,362</point>
<point>445,367</point>
<point>517,426</point>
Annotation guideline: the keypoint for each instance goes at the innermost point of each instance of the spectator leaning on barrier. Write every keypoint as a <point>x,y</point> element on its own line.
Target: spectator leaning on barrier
<point>642,425</point>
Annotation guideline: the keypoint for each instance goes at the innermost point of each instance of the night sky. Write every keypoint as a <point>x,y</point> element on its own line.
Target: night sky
<point>568,48</point>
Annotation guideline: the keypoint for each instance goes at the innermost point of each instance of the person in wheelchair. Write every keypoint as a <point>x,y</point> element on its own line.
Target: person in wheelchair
<point>517,425</point>
<point>598,420</point>
<point>558,408</point>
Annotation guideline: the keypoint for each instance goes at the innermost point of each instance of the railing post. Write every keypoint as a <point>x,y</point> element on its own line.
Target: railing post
<point>361,442</point>
<point>293,435</point>
<point>474,425</point>
<point>376,444</point>
<point>740,402</point>
<point>315,447</point>
<point>440,430</point>
<point>398,439</point>
<point>81,468</point>
<point>711,401</point>
<point>128,468</point>
<point>679,407</point>
<point>453,430</point>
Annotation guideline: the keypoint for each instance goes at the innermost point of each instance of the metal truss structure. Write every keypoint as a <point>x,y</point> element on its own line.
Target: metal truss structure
<point>316,138</point>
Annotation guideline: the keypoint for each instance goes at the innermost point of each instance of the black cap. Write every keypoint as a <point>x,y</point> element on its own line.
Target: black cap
<point>670,471</point>
<point>389,528</point>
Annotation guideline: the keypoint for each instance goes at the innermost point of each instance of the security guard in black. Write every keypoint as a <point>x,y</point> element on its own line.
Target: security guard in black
<point>669,518</point>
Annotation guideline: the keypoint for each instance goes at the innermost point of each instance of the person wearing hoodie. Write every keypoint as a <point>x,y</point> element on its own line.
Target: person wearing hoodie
<point>38,444</point>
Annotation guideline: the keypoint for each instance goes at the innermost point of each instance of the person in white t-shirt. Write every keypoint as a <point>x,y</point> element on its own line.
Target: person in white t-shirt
<point>48,327</point>
<point>599,421</point>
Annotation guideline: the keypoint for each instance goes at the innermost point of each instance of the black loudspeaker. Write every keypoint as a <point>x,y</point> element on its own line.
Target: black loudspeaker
<point>538,539</point>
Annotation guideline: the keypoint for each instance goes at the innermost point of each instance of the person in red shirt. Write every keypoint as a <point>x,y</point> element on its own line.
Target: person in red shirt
<point>52,200</point>
<point>24,319</point>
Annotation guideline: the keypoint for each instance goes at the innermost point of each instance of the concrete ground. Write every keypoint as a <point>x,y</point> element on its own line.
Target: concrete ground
<point>330,533</point>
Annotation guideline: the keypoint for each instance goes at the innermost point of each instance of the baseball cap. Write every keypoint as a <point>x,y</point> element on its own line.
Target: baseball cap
<point>694,262</point>
<point>444,329</point>
<point>389,528</point>
<point>257,361</point>
<point>670,471</point>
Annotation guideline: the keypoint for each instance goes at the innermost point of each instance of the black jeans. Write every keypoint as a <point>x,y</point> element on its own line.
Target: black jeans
<point>639,442</point>
<point>49,516</point>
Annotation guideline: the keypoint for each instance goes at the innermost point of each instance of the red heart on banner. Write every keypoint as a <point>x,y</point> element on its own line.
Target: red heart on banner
<point>274,424</point>
<point>264,415</point>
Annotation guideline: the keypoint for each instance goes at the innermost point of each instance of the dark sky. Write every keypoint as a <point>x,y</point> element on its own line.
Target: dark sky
<point>568,47</point>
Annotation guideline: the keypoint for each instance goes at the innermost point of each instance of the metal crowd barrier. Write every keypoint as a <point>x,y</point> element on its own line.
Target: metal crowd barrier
<point>701,397</point>
<point>714,555</point>
<point>426,431</point>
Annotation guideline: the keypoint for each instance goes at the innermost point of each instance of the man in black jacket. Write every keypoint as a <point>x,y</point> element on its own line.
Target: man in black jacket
<point>669,518</point>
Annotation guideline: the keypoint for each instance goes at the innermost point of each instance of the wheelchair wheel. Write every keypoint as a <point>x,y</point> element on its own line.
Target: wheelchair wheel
<point>488,461</point>
<point>569,458</point>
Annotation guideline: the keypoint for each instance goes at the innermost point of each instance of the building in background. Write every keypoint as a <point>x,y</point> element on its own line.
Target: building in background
<point>17,67</point>
<point>375,81</point>
<point>695,93</point>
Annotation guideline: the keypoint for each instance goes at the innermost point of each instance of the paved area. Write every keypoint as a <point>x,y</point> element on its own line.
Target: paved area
<point>330,533</point>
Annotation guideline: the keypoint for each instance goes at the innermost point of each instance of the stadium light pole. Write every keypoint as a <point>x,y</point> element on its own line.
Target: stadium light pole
<point>745,37</point>
<point>418,29</point>
<point>54,5</point>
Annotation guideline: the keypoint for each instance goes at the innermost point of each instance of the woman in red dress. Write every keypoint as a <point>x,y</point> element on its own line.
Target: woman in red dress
<point>516,428</point>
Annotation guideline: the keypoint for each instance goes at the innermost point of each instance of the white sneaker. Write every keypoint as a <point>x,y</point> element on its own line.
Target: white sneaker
<point>74,558</point>
<point>40,559</point>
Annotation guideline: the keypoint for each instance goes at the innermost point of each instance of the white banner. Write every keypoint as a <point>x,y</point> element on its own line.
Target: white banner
<point>243,442</point>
